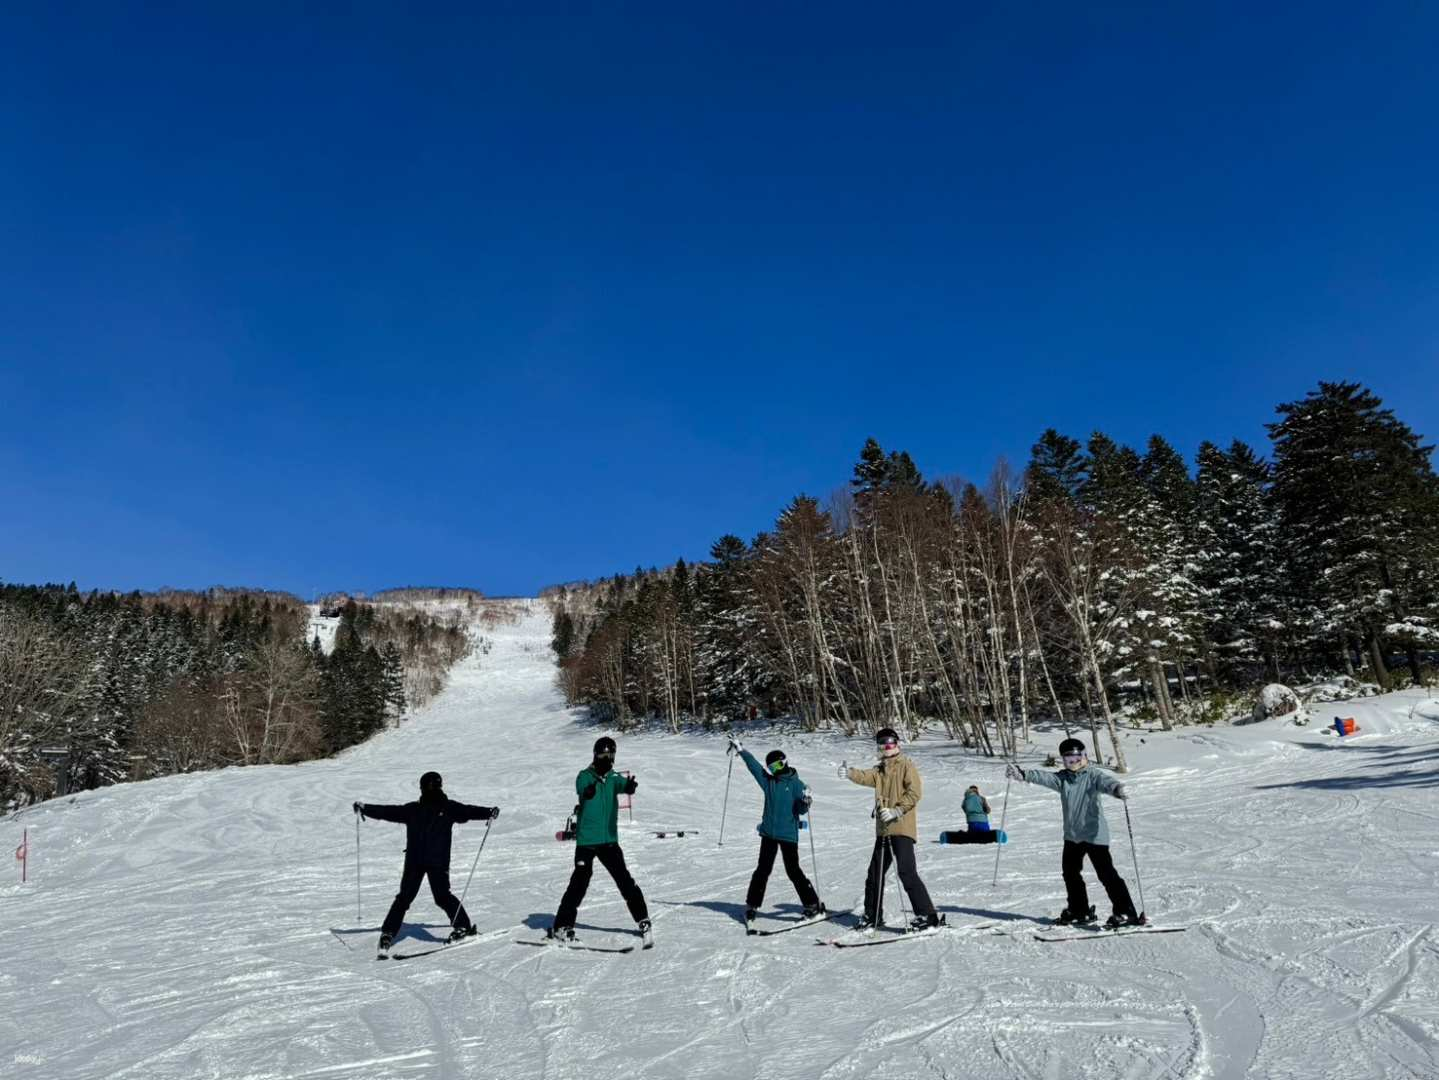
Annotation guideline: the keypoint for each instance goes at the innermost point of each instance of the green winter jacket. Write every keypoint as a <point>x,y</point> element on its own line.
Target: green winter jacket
<point>599,815</point>
<point>1079,799</point>
<point>784,800</point>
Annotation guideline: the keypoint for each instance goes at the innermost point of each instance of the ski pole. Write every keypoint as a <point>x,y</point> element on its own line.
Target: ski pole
<point>1134,853</point>
<point>728,774</point>
<point>461,905</point>
<point>998,847</point>
<point>357,865</point>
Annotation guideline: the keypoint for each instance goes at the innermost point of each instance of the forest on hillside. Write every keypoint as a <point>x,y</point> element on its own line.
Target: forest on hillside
<point>1098,585</point>
<point>99,687</point>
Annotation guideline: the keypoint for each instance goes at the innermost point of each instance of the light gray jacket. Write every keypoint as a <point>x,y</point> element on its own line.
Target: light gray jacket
<point>1079,798</point>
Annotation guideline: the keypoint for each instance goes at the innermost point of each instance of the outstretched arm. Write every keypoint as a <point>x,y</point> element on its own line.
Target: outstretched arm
<point>466,812</point>
<point>386,813</point>
<point>867,777</point>
<point>1042,777</point>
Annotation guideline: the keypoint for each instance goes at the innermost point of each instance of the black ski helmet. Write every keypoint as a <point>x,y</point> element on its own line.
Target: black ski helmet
<point>886,734</point>
<point>604,745</point>
<point>1071,746</point>
<point>772,757</point>
<point>431,781</point>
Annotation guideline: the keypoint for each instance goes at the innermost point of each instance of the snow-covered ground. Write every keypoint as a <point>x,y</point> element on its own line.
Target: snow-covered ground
<point>205,925</point>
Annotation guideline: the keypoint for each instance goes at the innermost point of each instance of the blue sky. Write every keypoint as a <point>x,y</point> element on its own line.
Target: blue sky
<point>478,296</point>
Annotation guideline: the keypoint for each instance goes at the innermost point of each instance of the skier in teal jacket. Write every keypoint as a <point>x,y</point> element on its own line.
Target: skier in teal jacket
<point>597,837</point>
<point>1086,833</point>
<point>786,799</point>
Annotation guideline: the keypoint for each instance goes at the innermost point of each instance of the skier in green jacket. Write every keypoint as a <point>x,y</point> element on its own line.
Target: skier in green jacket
<point>597,837</point>
<point>1086,833</point>
<point>785,800</point>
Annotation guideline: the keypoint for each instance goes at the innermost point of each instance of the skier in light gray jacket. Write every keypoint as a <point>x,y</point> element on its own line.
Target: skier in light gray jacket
<point>1085,833</point>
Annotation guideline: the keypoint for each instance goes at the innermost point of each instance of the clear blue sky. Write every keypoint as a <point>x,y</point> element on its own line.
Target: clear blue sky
<point>474,296</point>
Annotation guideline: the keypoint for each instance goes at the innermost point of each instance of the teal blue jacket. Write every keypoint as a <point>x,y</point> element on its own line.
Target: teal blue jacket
<point>784,800</point>
<point>600,814</point>
<point>1079,799</point>
<point>974,808</point>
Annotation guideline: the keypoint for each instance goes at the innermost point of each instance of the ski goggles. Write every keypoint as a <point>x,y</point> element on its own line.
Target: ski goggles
<point>777,766</point>
<point>606,756</point>
<point>1072,759</point>
<point>888,744</point>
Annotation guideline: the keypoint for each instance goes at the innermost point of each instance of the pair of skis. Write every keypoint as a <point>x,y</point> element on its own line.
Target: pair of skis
<point>473,939</point>
<point>795,924</point>
<point>860,939</point>
<point>647,941</point>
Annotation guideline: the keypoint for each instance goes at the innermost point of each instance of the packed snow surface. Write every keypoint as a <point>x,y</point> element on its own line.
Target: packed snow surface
<point>205,925</point>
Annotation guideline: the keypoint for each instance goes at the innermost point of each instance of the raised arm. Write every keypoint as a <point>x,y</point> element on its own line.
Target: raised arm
<point>755,768</point>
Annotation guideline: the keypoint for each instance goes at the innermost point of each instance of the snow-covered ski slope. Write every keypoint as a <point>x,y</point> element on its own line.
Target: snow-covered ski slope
<point>204,926</point>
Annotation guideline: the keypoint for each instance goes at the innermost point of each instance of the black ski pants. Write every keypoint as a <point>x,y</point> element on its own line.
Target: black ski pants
<point>768,845</point>
<point>1099,858</point>
<point>901,850</point>
<point>613,860</point>
<point>439,888</point>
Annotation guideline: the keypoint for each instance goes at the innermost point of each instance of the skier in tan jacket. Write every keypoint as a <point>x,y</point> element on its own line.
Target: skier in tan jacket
<point>897,791</point>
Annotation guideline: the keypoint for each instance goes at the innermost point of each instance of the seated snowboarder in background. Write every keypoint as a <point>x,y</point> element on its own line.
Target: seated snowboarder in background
<point>427,852</point>
<point>1086,833</point>
<point>785,800</point>
<point>597,837</point>
<point>897,791</point>
<point>976,817</point>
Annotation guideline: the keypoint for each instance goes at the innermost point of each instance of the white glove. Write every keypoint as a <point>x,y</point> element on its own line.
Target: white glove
<point>1013,771</point>
<point>889,815</point>
<point>735,746</point>
<point>843,770</point>
<point>1121,792</point>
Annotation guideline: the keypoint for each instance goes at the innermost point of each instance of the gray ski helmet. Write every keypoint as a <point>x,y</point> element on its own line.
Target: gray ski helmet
<point>886,734</point>
<point>431,781</point>
<point>1071,746</point>
<point>772,757</point>
<point>604,745</point>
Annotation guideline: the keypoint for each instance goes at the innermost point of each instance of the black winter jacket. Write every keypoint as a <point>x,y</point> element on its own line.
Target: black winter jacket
<point>427,827</point>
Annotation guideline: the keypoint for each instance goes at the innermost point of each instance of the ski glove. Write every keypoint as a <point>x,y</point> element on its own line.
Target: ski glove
<point>588,792</point>
<point>630,785</point>
<point>1121,792</point>
<point>494,813</point>
<point>360,809</point>
<point>1013,771</point>
<point>889,815</point>
<point>844,770</point>
<point>735,746</point>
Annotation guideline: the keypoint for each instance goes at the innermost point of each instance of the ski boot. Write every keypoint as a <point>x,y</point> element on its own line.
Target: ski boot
<point>1083,918</point>
<point>813,911</point>
<point>868,923</point>
<point>386,940</point>
<point>750,914</point>
<point>1118,920</point>
<point>926,922</point>
<point>560,934</point>
<point>459,933</point>
<point>647,936</point>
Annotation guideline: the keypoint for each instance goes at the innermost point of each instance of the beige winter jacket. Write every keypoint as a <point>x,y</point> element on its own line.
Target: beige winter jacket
<point>896,784</point>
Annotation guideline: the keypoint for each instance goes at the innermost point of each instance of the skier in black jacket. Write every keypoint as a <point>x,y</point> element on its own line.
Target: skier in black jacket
<point>427,852</point>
